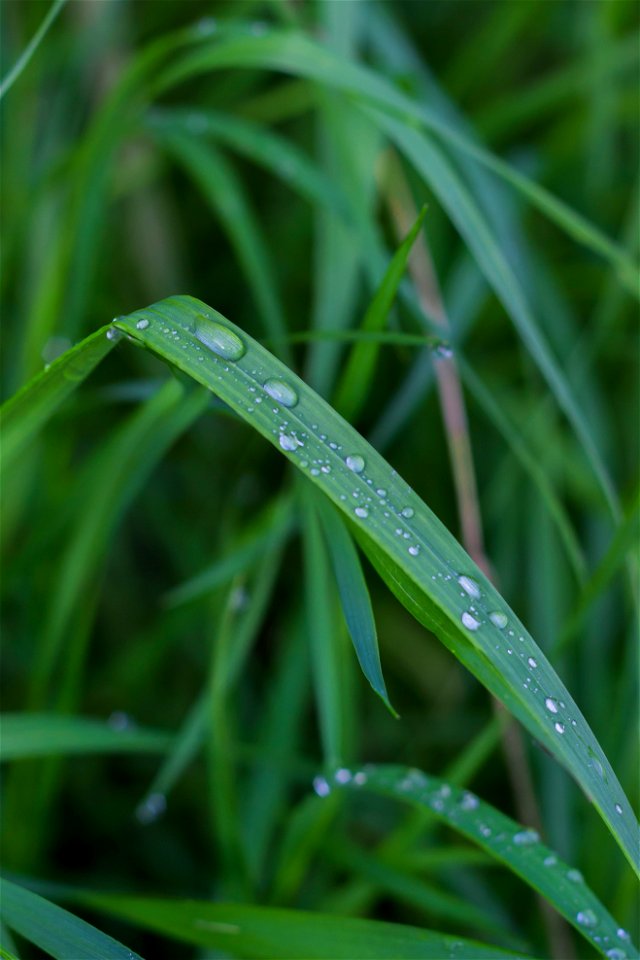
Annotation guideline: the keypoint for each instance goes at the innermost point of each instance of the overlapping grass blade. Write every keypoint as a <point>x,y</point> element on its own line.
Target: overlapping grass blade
<point>56,931</point>
<point>520,849</point>
<point>27,411</point>
<point>413,551</point>
<point>260,933</point>
<point>42,735</point>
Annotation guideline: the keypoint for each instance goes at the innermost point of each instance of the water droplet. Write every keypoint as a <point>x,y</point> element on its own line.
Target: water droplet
<point>206,26</point>
<point>550,861</point>
<point>414,551</point>
<point>618,808</point>
<point>575,876</point>
<point>559,727</point>
<point>532,663</point>
<point>361,512</point>
<point>114,335</point>
<point>615,953</point>
<point>587,918</point>
<point>525,838</point>
<point>484,830</point>
<point>406,512</point>
<point>119,720</point>
<point>355,463</point>
<point>623,935</point>
<point>142,324</point>
<point>321,786</point>
<point>281,391</point>
<point>343,775</point>
<point>469,586</point>
<point>289,443</point>
<point>443,350</point>
<point>551,705</point>
<point>219,339</point>
<point>498,619</point>
<point>469,621</point>
<point>151,808</point>
<point>469,801</point>
<point>360,778</point>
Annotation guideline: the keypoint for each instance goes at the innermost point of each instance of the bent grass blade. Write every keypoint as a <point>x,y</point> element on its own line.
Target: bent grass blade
<point>423,562</point>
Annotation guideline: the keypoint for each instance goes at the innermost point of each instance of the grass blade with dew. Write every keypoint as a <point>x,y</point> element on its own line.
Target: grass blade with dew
<point>520,849</point>
<point>261,933</point>
<point>43,735</point>
<point>417,556</point>
<point>56,931</point>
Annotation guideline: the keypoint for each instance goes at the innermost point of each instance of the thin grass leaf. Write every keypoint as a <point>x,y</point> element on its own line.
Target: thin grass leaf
<point>356,377</point>
<point>56,931</point>
<point>42,735</point>
<point>520,849</point>
<point>294,53</point>
<point>26,412</point>
<point>261,933</point>
<point>420,560</point>
<point>26,55</point>
<point>354,597</point>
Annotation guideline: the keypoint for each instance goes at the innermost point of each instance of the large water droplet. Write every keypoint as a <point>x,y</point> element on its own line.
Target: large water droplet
<point>532,663</point>
<point>623,935</point>
<point>289,443</point>
<point>469,621</point>
<point>281,391</point>
<point>114,335</point>
<point>587,918</point>
<point>355,463</point>
<point>469,586</point>
<point>414,551</point>
<point>361,512</point>
<point>343,775</point>
<point>219,339</point>
<point>142,324</point>
<point>525,838</point>
<point>498,619</point>
<point>559,727</point>
<point>406,512</point>
<point>551,705</point>
<point>615,953</point>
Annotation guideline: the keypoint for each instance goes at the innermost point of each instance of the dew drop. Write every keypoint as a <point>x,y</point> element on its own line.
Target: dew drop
<point>219,339</point>
<point>469,801</point>
<point>622,935</point>
<point>407,512</point>
<point>498,619</point>
<point>469,621</point>
<point>469,586</point>
<point>532,663</point>
<point>575,876</point>
<point>525,838</point>
<point>587,918</point>
<point>119,720</point>
<point>142,324</point>
<point>113,334</point>
<point>343,775</point>
<point>361,512</point>
<point>151,808</point>
<point>559,727</point>
<point>288,443</point>
<point>360,778</point>
<point>618,808</point>
<point>551,705</point>
<point>321,786</point>
<point>550,861</point>
<point>206,26</point>
<point>414,551</point>
<point>281,391</point>
<point>615,953</point>
<point>355,463</point>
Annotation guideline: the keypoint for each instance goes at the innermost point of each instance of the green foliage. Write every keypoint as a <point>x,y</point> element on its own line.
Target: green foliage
<point>192,628</point>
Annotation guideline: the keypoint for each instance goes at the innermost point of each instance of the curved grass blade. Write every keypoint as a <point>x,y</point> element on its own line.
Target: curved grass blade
<point>520,849</point>
<point>261,933</point>
<point>354,596</point>
<point>29,409</point>
<point>292,52</point>
<point>356,377</point>
<point>420,559</point>
<point>56,931</point>
<point>43,735</point>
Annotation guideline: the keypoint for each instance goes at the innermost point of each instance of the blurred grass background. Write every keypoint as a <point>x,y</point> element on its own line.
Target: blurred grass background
<point>105,515</point>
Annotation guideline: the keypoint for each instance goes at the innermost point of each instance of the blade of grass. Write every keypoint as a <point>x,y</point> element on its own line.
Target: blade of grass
<point>43,735</point>
<point>422,563</point>
<point>26,55</point>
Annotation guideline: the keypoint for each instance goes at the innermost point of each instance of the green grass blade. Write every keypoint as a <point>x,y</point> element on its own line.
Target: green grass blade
<point>28,410</point>
<point>26,55</point>
<point>43,735</point>
<point>261,933</point>
<point>56,931</point>
<point>421,561</point>
<point>356,377</point>
<point>504,839</point>
<point>354,596</point>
